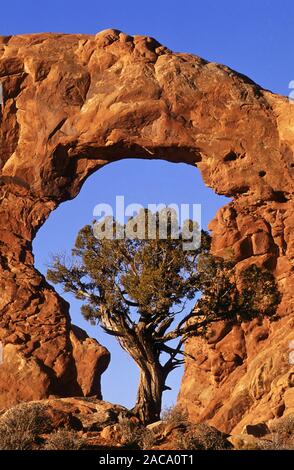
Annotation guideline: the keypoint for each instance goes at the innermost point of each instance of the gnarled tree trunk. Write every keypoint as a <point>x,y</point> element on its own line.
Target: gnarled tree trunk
<point>151,387</point>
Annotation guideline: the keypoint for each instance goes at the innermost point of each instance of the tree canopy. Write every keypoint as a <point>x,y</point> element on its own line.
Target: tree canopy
<point>137,289</point>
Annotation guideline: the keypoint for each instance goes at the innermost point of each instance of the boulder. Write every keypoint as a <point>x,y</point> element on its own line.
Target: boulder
<point>91,360</point>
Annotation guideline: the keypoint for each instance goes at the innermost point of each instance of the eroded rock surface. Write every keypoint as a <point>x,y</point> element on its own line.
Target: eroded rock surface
<point>73,103</point>
<point>91,360</point>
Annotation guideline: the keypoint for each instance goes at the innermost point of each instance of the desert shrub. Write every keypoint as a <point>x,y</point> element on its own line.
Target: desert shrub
<point>132,433</point>
<point>187,441</point>
<point>283,433</point>
<point>27,416</point>
<point>148,439</point>
<point>285,427</point>
<point>16,440</point>
<point>21,425</point>
<point>273,443</point>
<point>64,440</point>
<point>265,444</point>
<point>175,416</point>
<point>192,436</point>
<point>202,437</point>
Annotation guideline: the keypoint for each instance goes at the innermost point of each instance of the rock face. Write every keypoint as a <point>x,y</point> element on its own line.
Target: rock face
<point>25,378</point>
<point>91,360</point>
<point>73,103</point>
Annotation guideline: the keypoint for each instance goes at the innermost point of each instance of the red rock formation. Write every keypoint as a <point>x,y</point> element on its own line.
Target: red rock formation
<point>91,360</point>
<point>73,103</point>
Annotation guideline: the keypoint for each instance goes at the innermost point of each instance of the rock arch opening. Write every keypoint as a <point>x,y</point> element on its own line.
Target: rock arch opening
<point>139,181</point>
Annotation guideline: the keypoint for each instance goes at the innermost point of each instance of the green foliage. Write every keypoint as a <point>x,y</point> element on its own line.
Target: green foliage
<point>259,294</point>
<point>234,296</point>
<point>136,288</point>
<point>121,278</point>
<point>151,275</point>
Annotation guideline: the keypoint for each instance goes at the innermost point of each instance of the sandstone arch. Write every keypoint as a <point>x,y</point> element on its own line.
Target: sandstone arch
<point>72,103</point>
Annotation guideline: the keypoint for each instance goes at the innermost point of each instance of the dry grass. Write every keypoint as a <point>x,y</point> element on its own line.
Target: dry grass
<point>134,435</point>
<point>190,436</point>
<point>23,428</point>
<point>20,426</point>
<point>202,437</point>
<point>64,440</point>
<point>283,433</point>
<point>175,416</point>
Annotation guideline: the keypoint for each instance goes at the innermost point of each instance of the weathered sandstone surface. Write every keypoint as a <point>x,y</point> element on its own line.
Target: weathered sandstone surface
<point>73,103</point>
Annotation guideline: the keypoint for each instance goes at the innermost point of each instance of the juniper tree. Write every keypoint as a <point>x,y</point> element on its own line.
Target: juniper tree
<point>137,290</point>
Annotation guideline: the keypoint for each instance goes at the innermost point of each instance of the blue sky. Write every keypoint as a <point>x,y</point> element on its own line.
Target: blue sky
<point>254,37</point>
<point>138,181</point>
